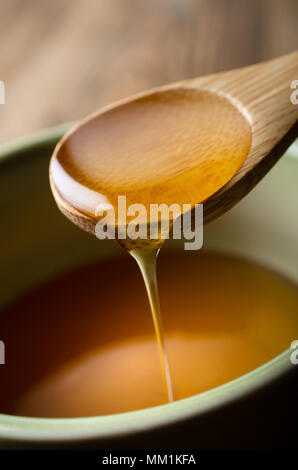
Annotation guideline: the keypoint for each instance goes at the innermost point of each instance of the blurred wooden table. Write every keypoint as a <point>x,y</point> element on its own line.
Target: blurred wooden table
<point>62,59</point>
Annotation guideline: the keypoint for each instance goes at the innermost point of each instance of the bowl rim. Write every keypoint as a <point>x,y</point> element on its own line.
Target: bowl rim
<point>28,429</point>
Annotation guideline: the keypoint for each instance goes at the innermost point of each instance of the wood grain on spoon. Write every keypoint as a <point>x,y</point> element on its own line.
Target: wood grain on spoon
<point>263,91</point>
<point>257,121</point>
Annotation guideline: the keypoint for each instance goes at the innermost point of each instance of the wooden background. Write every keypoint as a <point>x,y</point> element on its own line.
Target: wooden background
<point>62,59</point>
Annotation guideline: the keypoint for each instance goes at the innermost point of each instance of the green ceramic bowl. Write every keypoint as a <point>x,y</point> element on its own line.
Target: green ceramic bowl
<point>37,242</point>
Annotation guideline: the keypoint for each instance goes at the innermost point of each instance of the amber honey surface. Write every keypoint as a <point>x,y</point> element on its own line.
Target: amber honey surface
<point>84,344</point>
<point>176,146</point>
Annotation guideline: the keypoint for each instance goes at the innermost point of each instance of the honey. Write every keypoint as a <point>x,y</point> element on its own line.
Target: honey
<point>85,343</point>
<point>175,146</point>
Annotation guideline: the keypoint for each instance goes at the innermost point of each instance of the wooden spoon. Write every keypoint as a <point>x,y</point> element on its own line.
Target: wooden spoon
<point>259,93</point>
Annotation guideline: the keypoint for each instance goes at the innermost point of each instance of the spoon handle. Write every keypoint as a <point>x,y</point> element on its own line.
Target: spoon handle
<point>266,95</point>
<point>263,92</point>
